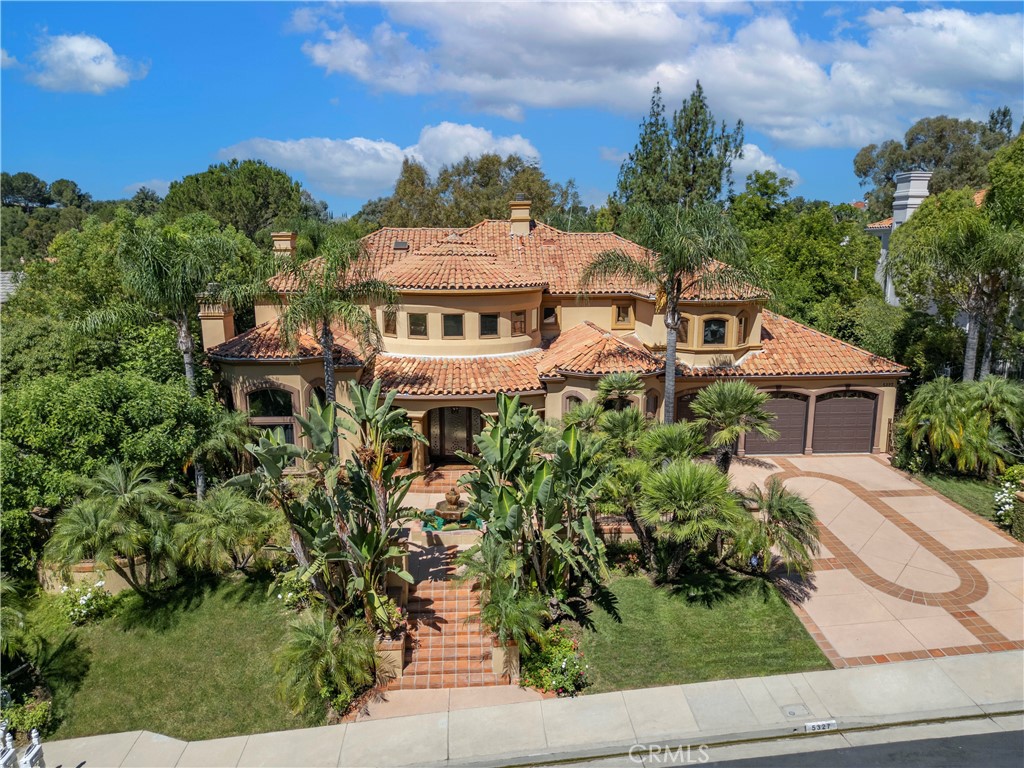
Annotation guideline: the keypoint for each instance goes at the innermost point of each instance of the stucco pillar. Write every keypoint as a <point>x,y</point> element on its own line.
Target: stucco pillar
<point>741,446</point>
<point>808,438</point>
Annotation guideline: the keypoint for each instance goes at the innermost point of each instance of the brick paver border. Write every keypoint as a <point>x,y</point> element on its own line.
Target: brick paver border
<point>972,587</point>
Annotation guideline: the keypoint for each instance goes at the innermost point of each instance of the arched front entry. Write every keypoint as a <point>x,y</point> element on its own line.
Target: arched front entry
<point>450,430</point>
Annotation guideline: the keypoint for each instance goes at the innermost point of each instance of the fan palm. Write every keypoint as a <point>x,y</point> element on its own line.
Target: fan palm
<point>685,244</point>
<point>332,292</point>
<point>125,513</point>
<point>785,523</point>
<point>731,409</point>
<point>322,663</point>
<point>224,447</point>
<point>690,503</point>
<point>622,430</point>
<point>225,527</point>
<point>12,618</point>
<point>585,415</point>
<point>616,388</point>
<point>670,442</point>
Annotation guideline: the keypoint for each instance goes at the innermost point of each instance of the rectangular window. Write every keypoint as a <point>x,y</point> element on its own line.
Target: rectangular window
<point>714,332</point>
<point>488,326</point>
<point>390,323</point>
<point>519,323</point>
<point>418,325</point>
<point>622,316</point>
<point>741,327</point>
<point>533,319</point>
<point>550,316</point>
<point>452,326</point>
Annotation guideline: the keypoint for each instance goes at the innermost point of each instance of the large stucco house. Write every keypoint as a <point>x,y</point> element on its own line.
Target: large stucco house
<point>495,308</point>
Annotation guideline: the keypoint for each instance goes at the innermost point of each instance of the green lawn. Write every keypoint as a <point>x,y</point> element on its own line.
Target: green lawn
<point>667,637</point>
<point>198,666</point>
<point>975,495</point>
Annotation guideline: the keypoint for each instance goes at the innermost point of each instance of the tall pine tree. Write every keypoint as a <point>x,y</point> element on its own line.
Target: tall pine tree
<point>687,162</point>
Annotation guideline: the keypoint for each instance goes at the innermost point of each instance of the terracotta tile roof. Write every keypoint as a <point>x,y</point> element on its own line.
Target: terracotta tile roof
<point>459,266</point>
<point>792,349</point>
<point>588,349</point>
<point>547,256</point>
<point>484,375</point>
<point>266,342</point>
<point>883,224</point>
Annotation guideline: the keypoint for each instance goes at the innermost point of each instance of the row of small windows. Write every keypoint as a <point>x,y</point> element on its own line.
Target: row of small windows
<point>453,325</point>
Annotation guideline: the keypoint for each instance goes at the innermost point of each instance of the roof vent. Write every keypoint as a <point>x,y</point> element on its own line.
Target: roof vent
<point>401,245</point>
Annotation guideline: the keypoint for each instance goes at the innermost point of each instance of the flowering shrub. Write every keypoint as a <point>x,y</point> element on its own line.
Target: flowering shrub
<point>83,603</point>
<point>1009,511</point>
<point>557,666</point>
<point>389,616</point>
<point>293,591</point>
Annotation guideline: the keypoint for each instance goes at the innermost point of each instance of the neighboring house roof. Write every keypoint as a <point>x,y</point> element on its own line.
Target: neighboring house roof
<point>792,349</point>
<point>546,257</point>
<point>589,350</point>
<point>883,224</point>
<point>267,342</point>
<point>412,375</point>
<point>8,284</point>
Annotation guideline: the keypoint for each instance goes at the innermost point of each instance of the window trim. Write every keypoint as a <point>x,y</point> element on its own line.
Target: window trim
<point>703,332</point>
<point>571,394</point>
<point>512,317</point>
<point>462,322</point>
<point>384,315</point>
<point>555,321</point>
<point>270,422</point>
<point>426,325</point>
<point>497,325</point>
<point>618,325</point>
<point>742,331</point>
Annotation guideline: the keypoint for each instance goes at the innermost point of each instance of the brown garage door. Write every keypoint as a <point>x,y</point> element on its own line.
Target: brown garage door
<point>844,422</point>
<point>790,411</point>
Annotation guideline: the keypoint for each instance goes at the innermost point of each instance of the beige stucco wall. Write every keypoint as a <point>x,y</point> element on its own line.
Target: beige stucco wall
<point>471,306</point>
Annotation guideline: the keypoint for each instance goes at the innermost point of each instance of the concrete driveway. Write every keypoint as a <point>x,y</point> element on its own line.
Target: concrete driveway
<point>903,573</point>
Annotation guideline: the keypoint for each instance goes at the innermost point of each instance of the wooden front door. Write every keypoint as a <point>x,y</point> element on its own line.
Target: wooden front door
<point>452,430</point>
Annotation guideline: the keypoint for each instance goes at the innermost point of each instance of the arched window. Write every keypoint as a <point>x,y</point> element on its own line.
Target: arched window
<point>570,400</point>
<point>272,408</point>
<point>651,402</point>
<point>320,394</point>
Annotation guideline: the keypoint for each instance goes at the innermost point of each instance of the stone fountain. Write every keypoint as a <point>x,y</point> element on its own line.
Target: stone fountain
<point>452,507</point>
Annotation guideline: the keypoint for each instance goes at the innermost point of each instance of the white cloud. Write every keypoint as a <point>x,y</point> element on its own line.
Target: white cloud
<point>361,167</point>
<point>6,60</point>
<point>81,63</point>
<point>160,186</point>
<point>612,155</point>
<point>755,159</point>
<point>836,90</point>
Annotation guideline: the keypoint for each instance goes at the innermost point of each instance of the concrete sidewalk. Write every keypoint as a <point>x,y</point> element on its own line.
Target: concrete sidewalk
<point>600,725</point>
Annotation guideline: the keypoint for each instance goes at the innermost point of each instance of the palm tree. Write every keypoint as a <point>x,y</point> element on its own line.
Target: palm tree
<point>223,448</point>
<point>785,523</point>
<point>616,388</point>
<point>622,431</point>
<point>671,442</point>
<point>225,527</point>
<point>322,663</point>
<point>125,513</point>
<point>731,409</point>
<point>685,244</point>
<point>12,618</point>
<point>165,270</point>
<point>333,288</point>
<point>689,504</point>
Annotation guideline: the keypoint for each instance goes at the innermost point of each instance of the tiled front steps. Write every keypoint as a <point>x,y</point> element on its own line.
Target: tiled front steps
<point>439,480</point>
<point>447,646</point>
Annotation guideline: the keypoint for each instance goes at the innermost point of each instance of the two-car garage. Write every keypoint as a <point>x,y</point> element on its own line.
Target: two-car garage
<point>844,422</point>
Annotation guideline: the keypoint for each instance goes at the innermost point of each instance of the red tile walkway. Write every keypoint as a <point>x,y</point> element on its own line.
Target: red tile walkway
<point>448,647</point>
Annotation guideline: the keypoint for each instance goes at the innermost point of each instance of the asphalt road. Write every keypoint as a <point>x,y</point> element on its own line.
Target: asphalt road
<point>1004,749</point>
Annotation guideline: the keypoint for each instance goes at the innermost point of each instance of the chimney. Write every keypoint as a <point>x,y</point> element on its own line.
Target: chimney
<point>520,215</point>
<point>216,318</point>
<point>284,243</point>
<point>911,190</point>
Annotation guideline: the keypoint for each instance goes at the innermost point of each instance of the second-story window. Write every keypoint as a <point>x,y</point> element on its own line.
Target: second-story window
<point>418,325</point>
<point>714,331</point>
<point>550,316</point>
<point>519,323</point>
<point>488,326</point>
<point>741,329</point>
<point>453,326</point>
<point>390,323</point>
<point>622,316</point>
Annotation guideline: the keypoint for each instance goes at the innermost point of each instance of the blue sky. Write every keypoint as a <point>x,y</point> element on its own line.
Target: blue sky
<point>114,95</point>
